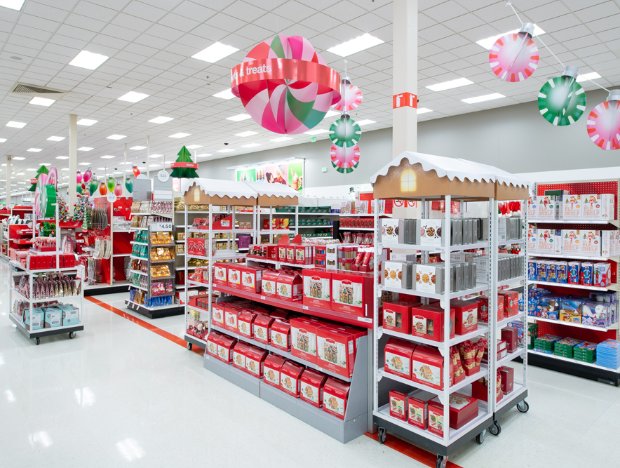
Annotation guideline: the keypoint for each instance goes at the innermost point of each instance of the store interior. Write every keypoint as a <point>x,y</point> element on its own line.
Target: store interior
<point>289,233</point>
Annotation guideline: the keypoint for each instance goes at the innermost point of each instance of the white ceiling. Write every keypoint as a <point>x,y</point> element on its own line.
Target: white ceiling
<point>150,44</point>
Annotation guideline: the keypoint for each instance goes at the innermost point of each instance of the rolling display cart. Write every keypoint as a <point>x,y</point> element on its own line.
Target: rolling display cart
<point>433,179</point>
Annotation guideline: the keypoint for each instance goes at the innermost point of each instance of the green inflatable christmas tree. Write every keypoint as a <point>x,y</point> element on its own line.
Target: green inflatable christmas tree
<point>42,170</point>
<point>184,167</point>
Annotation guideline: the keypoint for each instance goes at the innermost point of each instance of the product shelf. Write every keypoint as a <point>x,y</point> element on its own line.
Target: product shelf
<point>430,295</point>
<point>190,339</point>
<point>438,248</point>
<point>504,322</point>
<point>411,383</point>
<point>481,330</point>
<point>572,257</point>
<point>277,263</point>
<point>154,312</point>
<point>532,319</point>
<point>510,357</point>
<point>572,361</point>
<point>575,286</point>
<point>573,221</point>
<point>21,326</point>
<point>519,392</point>
<point>142,273</point>
<point>512,283</point>
<point>39,300</point>
<point>216,257</point>
<point>356,229</point>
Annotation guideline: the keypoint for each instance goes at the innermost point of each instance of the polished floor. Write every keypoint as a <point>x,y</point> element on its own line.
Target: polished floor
<point>120,395</point>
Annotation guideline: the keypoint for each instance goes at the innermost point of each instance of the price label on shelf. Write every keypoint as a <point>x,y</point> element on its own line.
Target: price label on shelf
<point>161,226</point>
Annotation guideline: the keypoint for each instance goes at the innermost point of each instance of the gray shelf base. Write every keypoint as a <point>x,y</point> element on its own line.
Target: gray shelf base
<point>175,309</point>
<point>194,341</point>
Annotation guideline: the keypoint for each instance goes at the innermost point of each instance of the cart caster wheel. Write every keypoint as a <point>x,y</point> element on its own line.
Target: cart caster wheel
<point>495,428</point>
<point>71,335</point>
<point>480,437</point>
<point>442,461</point>
<point>189,346</point>
<point>382,436</point>
<point>523,406</point>
<point>37,340</point>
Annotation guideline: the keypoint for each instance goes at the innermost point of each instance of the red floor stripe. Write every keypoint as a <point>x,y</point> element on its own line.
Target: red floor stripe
<point>394,443</point>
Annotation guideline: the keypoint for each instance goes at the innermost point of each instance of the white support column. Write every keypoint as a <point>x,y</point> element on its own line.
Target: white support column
<point>72,161</point>
<point>405,73</point>
<point>9,162</point>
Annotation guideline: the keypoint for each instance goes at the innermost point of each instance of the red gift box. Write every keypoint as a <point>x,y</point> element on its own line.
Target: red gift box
<point>427,366</point>
<point>260,327</point>
<point>397,355</point>
<point>303,338</point>
<point>224,348</point>
<point>335,349</point>
<point>251,278</point>
<point>220,274</point>
<point>254,359</point>
<point>289,286</point>
<point>311,387</point>
<point>462,410</point>
<point>398,405</point>
<point>282,253</point>
<point>397,316</point>
<point>234,275</point>
<point>507,379</point>
<point>483,309</point>
<point>352,293</point>
<point>317,288</point>
<point>245,321</point>
<point>428,322</point>
<point>290,253</point>
<point>213,343</point>
<point>217,316</point>
<point>239,355</point>
<point>196,246</point>
<point>269,283</point>
<point>271,369</point>
<point>435,417</point>
<point>465,316</point>
<point>417,408</point>
<point>511,337</point>
<point>335,396</point>
<point>290,375</point>
<point>280,334</point>
<point>303,254</point>
<point>231,316</point>
<point>511,303</point>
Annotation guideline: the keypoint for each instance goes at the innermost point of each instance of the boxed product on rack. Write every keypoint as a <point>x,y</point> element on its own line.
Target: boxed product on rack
<point>303,255</point>
<point>398,274</point>
<point>217,314</point>
<point>303,338</point>
<point>397,355</point>
<point>234,275</point>
<point>311,387</point>
<point>352,293</point>
<point>431,232</point>
<point>239,352</point>
<point>429,277</point>
<point>417,408</point>
<point>544,207</point>
<point>571,207</point>
<point>53,317</point>
<point>336,348</point>
<point>254,359</point>
<point>70,315</point>
<point>462,410</point>
<point>397,316</point>
<point>224,347</point>
<point>483,309</point>
<point>335,397</point>
<point>466,316</point>
<point>398,405</point>
<point>598,206</point>
<point>427,366</point>
<point>280,334</point>
<point>435,417</point>
<point>196,246</point>
<point>289,286</point>
<point>507,377</point>
<point>245,320</point>
<point>260,327</point>
<point>290,375</point>
<point>272,365</point>
<point>427,321</point>
<point>389,232</point>
<point>511,302</point>
<point>38,319</point>
<point>231,316</point>
<point>317,288</point>
<point>290,254</point>
<point>195,326</point>
<point>213,341</point>
<point>510,337</point>
<point>251,278</point>
<point>269,283</point>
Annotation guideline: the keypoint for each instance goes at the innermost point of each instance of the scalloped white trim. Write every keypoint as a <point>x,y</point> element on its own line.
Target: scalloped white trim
<point>230,188</point>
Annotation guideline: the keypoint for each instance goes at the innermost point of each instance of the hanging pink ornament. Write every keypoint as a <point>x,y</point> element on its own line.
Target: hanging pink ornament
<point>78,177</point>
<point>284,84</point>
<point>351,98</point>
<point>604,123</point>
<point>87,175</point>
<point>118,190</point>
<point>514,56</point>
<point>345,159</point>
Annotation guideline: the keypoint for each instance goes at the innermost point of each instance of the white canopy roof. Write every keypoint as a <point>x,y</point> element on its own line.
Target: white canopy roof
<point>263,188</point>
<point>220,188</point>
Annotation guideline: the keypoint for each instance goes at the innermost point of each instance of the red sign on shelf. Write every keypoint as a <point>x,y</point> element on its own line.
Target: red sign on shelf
<point>404,100</point>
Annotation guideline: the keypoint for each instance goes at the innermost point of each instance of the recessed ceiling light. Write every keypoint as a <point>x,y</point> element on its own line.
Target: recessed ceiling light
<point>19,173</point>
<point>55,138</point>
<point>424,110</point>
<point>365,122</point>
<point>62,157</point>
<point>84,164</point>
<point>483,98</point>
<point>107,156</point>
<point>357,44</point>
<point>239,117</point>
<point>65,169</point>
<point>316,131</point>
<point>588,77</point>
<point>88,60</point>
<point>179,135</point>
<point>133,96</point>
<point>156,155</point>
<point>488,42</point>
<point>203,155</point>
<point>12,4</point>
<point>216,51</point>
<point>86,122</point>
<point>116,137</point>
<point>18,158</point>
<point>251,145</point>
<point>332,113</point>
<point>225,150</point>
<point>101,168</point>
<point>15,124</point>
<point>126,163</point>
<point>226,94</point>
<point>444,85</point>
<point>137,148</point>
<point>161,119</point>
<point>34,150</point>
<point>282,138</point>
<point>2,140</point>
<point>154,165</point>
<point>193,146</point>
<point>85,148</point>
<point>247,133</point>
<point>40,101</point>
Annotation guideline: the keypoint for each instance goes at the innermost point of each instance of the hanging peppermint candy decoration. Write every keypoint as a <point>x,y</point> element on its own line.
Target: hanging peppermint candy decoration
<point>604,123</point>
<point>345,132</point>
<point>345,160</point>
<point>514,56</point>
<point>351,98</point>
<point>561,100</point>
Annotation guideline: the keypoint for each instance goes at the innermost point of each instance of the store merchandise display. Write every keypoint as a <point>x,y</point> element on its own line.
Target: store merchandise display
<point>596,274</point>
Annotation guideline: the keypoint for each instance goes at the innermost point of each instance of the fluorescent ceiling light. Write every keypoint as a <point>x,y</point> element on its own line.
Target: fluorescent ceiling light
<point>65,169</point>
<point>116,137</point>
<point>332,113</point>
<point>357,44</point>
<point>226,94</point>
<point>317,131</point>
<point>84,164</point>
<point>247,133</point>
<point>137,148</point>
<point>483,98</point>
<point>156,155</point>
<point>2,140</point>
<point>424,110</point>
<point>282,138</point>
<point>34,150</point>
<point>85,148</point>
<point>62,157</point>
<point>86,122</point>
<point>179,135</point>
<point>203,155</point>
<point>444,85</point>
<point>88,60</point>
<point>107,156</point>
<point>18,158</point>
<point>15,124</point>
<point>225,150</point>
<point>154,165</point>
<point>193,146</point>
<point>12,4</point>
<point>365,122</point>
<point>216,51</point>
<point>239,117</point>
<point>588,77</point>
<point>133,96</point>
<point>41,101</point>
<point>488,42</point>
<point>20,173</point>
<point>55,138</point>
<point>251,145</point>
<point>126,163</point>
<point>161,119</point>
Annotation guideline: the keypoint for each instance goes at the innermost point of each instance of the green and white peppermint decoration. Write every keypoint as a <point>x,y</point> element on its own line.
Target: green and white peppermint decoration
<point>345,132</point>
<point>561,100</point>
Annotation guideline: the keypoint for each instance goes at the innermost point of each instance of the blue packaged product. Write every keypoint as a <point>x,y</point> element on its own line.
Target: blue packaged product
<point>574,269</point>
<point>532,270</point>
<point>552,273</point>
<point>562,272</point>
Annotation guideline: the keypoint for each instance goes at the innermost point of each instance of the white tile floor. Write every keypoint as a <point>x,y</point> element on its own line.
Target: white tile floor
<point>120,395</point>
